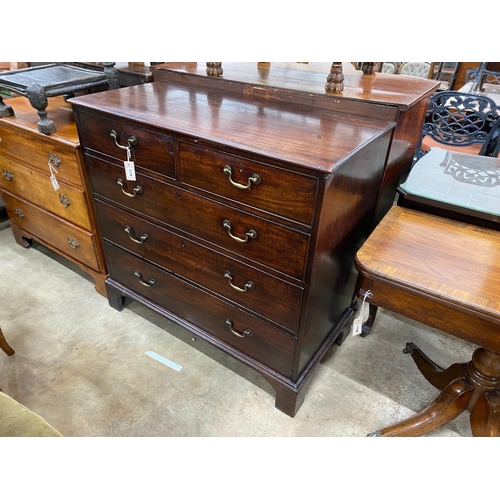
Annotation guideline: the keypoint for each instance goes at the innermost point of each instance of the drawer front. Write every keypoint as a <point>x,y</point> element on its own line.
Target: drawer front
<point>37,151</point>
<point>265,344</point>
<point>265,295</point>
<point>67,202</point>
<point>67,238</point>
<point>149,150</point>
<point>270,244</point>
<point>268,188</point>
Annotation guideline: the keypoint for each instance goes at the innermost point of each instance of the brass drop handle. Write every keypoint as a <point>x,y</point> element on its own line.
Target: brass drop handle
<point>137,190</point>
<point>253,179</point>
<point>8,174</point>
<point>131,235</point>
<point>131,141</point>
<point>249,285</point>
<point>246,333</point>
<point>149,283</point>
<point>251,234</point>
<point>19,213</point>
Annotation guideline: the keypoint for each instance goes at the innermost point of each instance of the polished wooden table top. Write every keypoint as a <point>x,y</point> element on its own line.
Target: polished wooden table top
<point>379,88</point>
<point>454,263</point>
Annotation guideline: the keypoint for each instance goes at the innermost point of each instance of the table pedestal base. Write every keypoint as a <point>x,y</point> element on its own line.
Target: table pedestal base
<point>473,386</point>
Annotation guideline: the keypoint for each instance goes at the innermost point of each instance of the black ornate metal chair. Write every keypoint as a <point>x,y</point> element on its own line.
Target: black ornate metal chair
<point>456,170</point>
<point>482,76</point>
<point>455,122</point>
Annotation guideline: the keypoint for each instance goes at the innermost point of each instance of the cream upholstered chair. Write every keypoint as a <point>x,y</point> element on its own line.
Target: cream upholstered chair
<point>418,69</point>
<point>389,67</point>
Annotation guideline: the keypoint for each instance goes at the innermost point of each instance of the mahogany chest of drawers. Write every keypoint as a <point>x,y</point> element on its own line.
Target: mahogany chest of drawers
<point>243,219</point>
<point>55,212</point>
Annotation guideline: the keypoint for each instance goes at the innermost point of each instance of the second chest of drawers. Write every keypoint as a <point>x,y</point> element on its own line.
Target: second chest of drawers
<point>44,190</point>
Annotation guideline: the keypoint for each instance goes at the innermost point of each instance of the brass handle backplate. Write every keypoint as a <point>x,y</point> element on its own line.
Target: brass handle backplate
<point>131,235</point>
<point>73,243</point>
<point>254,179</point>
<point>131,141</point>
<point>8,174</point>
<point>54,160</point>
<point>249,285</point>
<point>137,190</point>
<point>246,333</point>
<point>251,234</point>
<point>149,283</point>
<point>64,201</point>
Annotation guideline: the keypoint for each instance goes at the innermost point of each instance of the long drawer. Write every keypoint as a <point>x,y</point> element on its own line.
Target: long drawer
<point>20,145</point>
<point>242,331</point>
<point>66,237</point>
<point>266,187</point>
<point>260,292</point>
<point>270,244</point>
<point>148,149</point>
<point>67,202</point>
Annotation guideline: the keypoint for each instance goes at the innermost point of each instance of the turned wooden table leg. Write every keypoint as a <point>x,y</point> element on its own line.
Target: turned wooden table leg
<point>335,79</point>
<point>437,376</point>
<point>445,408</point>
<point>5,346</point>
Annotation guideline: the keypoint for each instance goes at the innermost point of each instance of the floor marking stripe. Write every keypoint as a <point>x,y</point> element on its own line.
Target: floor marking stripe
<point>163,360</point>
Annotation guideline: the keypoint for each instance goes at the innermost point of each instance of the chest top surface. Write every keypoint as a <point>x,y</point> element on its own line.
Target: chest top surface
<point>310,137</point>
<point>26,118</point>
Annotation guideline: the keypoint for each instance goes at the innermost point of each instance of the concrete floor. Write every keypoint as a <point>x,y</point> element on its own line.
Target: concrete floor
<point>82,366</point>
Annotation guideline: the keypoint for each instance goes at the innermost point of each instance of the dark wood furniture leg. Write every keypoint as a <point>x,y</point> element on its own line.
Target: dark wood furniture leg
<point>5,109</point>
<point>476,389</point>
<point>38,99</point>
<point>367,325</point>
<point>5,346</point>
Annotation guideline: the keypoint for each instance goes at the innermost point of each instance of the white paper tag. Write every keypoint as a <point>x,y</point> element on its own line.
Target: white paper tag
<point>357,323</point>
<point>54,182</point>
<point>129,170</point>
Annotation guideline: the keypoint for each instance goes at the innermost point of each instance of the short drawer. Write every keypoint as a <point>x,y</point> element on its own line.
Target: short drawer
<point>149,150</point>
<point>252,289</point>
<point>244,332</point>
<point>67,202</point>
<point>66,237</point>
<point>37,151</point>
<point>270,244</point>
<point>273,189</point>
